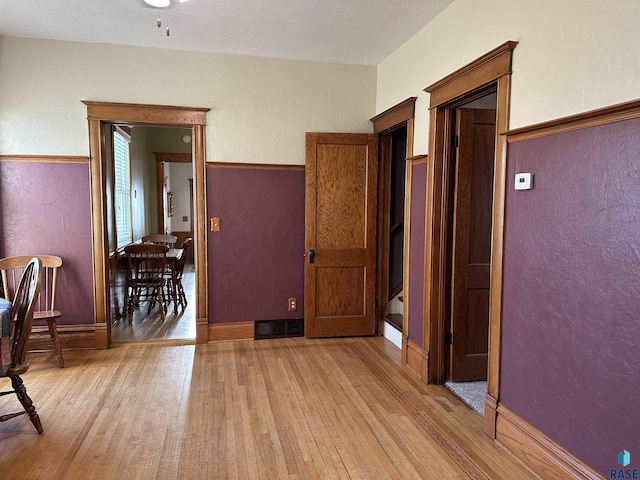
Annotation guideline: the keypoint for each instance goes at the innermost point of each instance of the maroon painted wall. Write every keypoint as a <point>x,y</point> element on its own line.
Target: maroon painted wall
<point>256,260</point>
<point>45,208</point>
<point>417,217</point>
<point>571,308</point>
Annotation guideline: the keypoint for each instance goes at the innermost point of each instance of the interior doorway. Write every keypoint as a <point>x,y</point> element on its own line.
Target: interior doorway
<point>156,198</point>
<point>489,73</point>
<point>394,128</point>
<point>101,115</point>
<point>473,125</point>
<point>393,154</point>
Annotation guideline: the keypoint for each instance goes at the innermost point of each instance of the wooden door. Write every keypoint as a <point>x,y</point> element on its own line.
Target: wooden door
<point>340,234</point>
<point>476,130</point>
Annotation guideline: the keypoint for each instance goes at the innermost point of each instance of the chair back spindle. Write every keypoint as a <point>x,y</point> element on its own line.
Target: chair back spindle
<point>160,239</point>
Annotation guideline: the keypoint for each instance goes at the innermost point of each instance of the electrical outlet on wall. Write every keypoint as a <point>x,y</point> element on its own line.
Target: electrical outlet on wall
<point>293,304</point>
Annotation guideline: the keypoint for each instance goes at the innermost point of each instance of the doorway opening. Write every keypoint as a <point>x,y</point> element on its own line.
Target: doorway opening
<point>487,74</point>
<point>101,116</point>
<point>153,194</point>
<point>393,151</point>
<point>394,128</point>
<point>471,178</point>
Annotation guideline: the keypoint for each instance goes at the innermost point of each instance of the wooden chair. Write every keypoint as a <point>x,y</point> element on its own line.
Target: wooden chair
<point>160,239</point>
<point>22,307</point>
<point>45,314</point>
<point>175,278</point>
<point>146,264</point>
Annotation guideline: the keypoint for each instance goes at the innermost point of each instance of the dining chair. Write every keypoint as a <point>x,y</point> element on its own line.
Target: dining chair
<point>175,278</point>
<point>20,322</point>
<point>146,264</point>
<point>160,239</point>
<point>45,317</point>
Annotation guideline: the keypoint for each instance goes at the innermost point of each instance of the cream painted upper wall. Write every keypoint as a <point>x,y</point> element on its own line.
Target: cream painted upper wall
<point>260,107</point>
<point>572,56</point>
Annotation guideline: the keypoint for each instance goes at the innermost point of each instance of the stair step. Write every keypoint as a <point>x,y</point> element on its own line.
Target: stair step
<point>395,320</point>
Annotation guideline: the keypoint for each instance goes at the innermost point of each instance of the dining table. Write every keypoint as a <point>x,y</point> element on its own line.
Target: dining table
<point>5,336</point>
<point>173,256</point>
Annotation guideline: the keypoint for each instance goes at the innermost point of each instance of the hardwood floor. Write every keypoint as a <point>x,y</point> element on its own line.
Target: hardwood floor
<point>269,409</point>
<point>177,328</point>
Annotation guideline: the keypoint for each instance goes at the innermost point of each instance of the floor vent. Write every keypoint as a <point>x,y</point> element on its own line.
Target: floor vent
<point>278,328</point>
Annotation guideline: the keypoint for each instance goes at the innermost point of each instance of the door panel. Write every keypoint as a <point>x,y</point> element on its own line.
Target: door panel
<point>472,244</point>
<point>340,228</point>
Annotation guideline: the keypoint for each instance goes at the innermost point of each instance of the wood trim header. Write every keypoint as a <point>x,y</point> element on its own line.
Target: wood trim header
<point>142,114</point>
<point>593,118</point>
<point>44,158</point>
<point>173,157</point>
<point>481,71</point>
<point>395,115</point>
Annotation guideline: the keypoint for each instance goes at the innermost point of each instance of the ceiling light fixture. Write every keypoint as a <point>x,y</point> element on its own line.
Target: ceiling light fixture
<point>158,3</point>
<point>162,4</point>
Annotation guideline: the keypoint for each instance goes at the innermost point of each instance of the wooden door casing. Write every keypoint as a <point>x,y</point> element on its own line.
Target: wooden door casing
<point>340,228</point>
<point>471,260</point>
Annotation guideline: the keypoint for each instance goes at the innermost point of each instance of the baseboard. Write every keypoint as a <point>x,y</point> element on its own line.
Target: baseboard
<point>405,349</point>
<point>231,331</point>
<point>417,359</point>
<point>72,337</point>
<point>490,415</point>
<point>202,330</point>
<point>541,454</point>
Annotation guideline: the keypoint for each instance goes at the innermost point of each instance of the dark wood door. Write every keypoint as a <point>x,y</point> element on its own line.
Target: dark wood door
<point>476,130</point>
<point>340,234</point>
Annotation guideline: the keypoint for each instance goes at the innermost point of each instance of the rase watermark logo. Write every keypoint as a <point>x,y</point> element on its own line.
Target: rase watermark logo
<point>624,459</point>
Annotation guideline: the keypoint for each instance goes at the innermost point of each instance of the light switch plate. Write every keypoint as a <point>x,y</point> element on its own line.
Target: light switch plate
<point>524,181</point>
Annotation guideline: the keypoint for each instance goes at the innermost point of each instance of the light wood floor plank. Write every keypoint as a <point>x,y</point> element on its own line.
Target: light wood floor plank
<point>269,409</point>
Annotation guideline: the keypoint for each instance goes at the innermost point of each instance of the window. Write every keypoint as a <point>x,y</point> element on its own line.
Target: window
<point>122,186</point>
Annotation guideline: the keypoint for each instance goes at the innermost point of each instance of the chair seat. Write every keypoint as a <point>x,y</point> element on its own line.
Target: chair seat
<point>42,326</point>
<point>40,318</point>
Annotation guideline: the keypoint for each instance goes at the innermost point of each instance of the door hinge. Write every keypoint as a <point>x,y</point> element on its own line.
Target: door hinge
<point>448,338</point>
<point>455,140</point>
<point>375,303</point>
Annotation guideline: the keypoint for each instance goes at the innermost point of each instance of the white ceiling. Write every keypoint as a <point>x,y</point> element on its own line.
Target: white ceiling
<point>344,31</point>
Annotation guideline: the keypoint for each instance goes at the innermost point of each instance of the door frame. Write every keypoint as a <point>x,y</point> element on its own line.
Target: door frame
<point>100,113</point>
<point>385,123</point>
<point>491,68</point>
<point>161,159</point>
<point>455,153</point>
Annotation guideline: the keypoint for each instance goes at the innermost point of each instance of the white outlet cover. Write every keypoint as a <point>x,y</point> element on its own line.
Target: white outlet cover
<point>524,181</point>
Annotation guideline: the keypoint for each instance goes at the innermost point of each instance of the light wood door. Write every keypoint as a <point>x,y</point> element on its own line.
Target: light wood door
<point>476,130</point>
<point>340,234</point>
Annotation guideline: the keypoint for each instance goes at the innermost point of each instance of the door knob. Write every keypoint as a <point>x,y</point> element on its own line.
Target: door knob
<point>312,256</point>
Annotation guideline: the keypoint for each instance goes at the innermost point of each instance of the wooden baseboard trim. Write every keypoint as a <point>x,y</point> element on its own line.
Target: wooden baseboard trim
<point>417,359</point>
<point>202,330</point>
<point>541,454</point>
<point>490,415</point>
<point>230,331</point>
<point>405,349</point>
<point>72,337</point>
